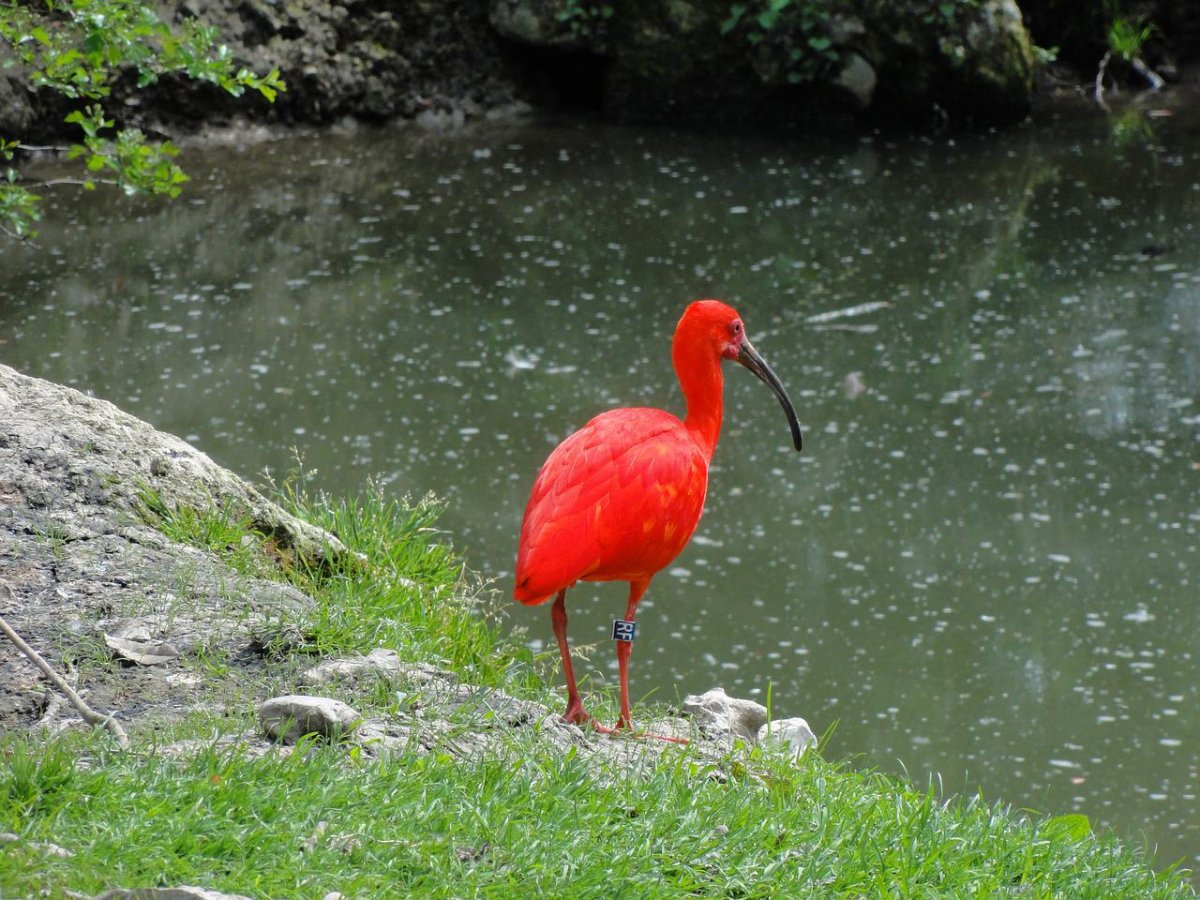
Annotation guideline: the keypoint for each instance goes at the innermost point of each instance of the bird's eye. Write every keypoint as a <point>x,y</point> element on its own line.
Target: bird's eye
<point>737,327</point>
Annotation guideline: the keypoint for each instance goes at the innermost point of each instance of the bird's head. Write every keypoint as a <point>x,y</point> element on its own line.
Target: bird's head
<point>717,325</point>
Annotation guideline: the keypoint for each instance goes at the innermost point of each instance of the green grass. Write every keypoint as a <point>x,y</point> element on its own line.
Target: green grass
<point>531,822</point>
<point>526,820</point>
<point>402,585</point>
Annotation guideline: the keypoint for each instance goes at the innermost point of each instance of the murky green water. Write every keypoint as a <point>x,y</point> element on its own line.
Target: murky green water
<point>984,565</point>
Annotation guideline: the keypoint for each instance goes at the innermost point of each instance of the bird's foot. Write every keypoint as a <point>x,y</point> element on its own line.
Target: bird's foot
<point>667,738</point>
<point>575,714</point>
<point>623,725</point>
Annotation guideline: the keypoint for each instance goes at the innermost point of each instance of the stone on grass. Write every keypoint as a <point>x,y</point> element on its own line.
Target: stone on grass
<point>379,663</point>
<point>792,733</point>
<point>382,662</point>
<point>140,648</point>
<point>715,711</point>
<point>183,892</point>
<point>290,717</point>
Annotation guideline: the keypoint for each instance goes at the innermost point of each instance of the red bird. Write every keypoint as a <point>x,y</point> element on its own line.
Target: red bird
<point>620,498</point>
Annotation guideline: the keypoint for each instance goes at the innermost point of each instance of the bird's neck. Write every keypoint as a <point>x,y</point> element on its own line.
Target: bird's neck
<point>703,387</point>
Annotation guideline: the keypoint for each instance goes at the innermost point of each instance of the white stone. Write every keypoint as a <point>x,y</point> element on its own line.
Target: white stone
<point>290,717</point>
<point>716,711</point>
<point>793,733</point>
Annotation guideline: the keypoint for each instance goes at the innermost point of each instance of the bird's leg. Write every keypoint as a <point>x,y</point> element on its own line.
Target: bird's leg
<point>558,617</point>
<point>624,648</point>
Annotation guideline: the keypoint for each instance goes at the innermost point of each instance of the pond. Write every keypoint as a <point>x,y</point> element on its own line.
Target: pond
<point>983,569</point>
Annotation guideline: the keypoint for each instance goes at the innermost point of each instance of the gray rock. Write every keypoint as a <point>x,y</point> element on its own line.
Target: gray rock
<point>82,455</point>
<point>80,559</point>
<point>183,892</point>
<point>290,717</point>
<point>715,712</point>
<point>142,651</point>
<point>792,733</point>
<point>379,663</point>
<point>857,78</point>
<point>542,23</point>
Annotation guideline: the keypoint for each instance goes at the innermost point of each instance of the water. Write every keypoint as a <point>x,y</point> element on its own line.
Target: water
<point>984,566</point>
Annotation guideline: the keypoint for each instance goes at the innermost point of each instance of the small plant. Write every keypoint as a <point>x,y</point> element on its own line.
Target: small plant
<point>790,37</point>
<point>585,20</point>
<point>219,529</point>
<point>1045,56</point>
<point>30,776</point>
<point>945,13</point>
<point>1126,36</point>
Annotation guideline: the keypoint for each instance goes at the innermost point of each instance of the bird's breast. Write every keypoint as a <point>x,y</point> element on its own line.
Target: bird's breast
<point>618,500</point>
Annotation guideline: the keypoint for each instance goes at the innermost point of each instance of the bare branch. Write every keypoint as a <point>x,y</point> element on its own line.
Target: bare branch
<point>1098,91</point>
<point>89,715</point>
<point>1152,78</point>
<point>77,182</point>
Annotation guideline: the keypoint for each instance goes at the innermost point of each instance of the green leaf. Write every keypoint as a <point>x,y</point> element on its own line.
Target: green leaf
<point>79,48</point>
<point>1070,828</point>
<point>767,18</point>
<point>735,16</point>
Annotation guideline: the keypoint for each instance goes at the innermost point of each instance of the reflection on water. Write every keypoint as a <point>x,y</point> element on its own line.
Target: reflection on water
<point>984,565</point>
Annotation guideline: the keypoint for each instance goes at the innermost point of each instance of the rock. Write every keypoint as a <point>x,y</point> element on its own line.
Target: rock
<point>793,733</point>
<point>715,712</point>
<point>379,663</point>
<point>142,651</point>
<point>692,60</point>
<point>80,557</point>
<point>183,892</point>
<point>373,61</point>
<point>857,78</point>
<point>290,717</point>
<point>82,454</point>
<point>8,837</point>
<point>543,23</point>
<point>974,64</point>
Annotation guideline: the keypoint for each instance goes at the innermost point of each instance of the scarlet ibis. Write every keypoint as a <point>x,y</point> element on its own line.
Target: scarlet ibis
<point>619,499</point>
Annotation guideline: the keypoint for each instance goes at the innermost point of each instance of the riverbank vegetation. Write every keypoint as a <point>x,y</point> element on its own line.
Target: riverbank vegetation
<point>78,50</point>
<point>191,804</point>
<point>108,82</point>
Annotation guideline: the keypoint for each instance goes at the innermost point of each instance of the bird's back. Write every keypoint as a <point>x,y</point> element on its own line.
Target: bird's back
<point>617,500</point>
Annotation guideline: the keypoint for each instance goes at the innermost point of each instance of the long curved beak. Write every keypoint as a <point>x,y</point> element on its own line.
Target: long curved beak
<point>749,358</point>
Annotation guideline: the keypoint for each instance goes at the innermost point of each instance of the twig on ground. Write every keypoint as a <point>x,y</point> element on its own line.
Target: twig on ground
<point>1152,78</point>
<point>1098,90</point>
<point>89,715</point>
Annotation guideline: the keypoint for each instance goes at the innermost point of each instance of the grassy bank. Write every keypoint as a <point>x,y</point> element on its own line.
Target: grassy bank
<point>525,821</point>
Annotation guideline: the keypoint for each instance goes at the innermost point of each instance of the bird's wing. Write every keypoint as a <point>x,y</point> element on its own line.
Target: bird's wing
<point>617,499</point>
